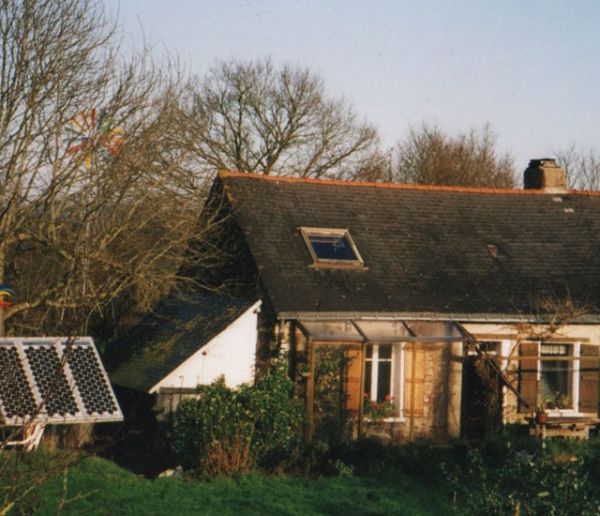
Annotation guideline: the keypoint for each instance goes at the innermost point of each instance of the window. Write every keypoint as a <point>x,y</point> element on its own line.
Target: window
<point>556,376</point>
<point>489,347</point>
<point>382,380</point>
<point>378,372</point>
<point>332,247</point>
<point>550,375</point>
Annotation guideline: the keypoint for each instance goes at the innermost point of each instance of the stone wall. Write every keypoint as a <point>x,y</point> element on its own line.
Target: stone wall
<point>510,402</point>
<point>428,418</point>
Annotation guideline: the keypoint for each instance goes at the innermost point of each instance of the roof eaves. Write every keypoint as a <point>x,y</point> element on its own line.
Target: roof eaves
<point>223,174</point>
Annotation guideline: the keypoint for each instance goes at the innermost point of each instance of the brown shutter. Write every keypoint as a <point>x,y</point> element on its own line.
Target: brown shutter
<point>528,377</point>
<point>588,379</point>
<point>414,375</point>
<point>353,380</point>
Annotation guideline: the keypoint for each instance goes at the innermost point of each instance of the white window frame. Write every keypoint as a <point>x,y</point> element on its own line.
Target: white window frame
<point>575,377</point>
<point>307,232</point>
<point>397,362</point>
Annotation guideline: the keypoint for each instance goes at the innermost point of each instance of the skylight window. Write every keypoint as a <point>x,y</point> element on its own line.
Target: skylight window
<point>331,246</point>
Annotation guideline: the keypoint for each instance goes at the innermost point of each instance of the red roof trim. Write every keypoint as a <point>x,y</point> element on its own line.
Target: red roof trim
<point>399,186</point>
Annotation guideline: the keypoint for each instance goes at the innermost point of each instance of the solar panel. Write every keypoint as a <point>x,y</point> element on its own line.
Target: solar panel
<point>17,398</point>
<point>54,381</point>
<point>93,387</point>
<point>50,378</point>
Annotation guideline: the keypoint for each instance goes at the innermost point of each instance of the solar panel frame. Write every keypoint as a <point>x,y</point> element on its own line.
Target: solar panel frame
<point>62,347</point>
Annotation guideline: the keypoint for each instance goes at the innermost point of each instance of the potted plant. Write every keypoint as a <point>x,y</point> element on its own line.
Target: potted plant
<point>541,416</point>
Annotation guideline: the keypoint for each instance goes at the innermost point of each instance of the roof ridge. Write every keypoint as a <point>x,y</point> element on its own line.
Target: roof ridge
<point>398,186</point>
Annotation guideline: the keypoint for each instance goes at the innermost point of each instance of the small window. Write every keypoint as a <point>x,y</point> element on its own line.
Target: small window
<point>383,381</point>
<point>490,348</point>
<point>331,246</point>
<point>556,376</point>
<point>378,373</point>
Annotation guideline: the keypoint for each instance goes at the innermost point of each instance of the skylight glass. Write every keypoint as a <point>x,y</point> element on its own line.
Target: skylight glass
<point>331,246</point>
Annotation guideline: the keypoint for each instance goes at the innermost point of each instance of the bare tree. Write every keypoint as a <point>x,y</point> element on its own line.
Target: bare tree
<point>377,166</point>
<point>582,168</point>
<point>429,156</point>
<point>254,117</point>
<point>97,200</point>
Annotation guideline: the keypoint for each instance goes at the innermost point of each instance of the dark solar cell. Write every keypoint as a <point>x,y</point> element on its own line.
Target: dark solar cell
<point>92,384</point>
<point>15,391</point>
<point>332,247</point>
<point>51,380</point>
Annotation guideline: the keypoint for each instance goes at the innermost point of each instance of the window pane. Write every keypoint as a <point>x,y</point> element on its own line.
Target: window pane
<point>384,377</point>
<point>385,351</point>
<point>332,247</point>
<point>556,384</point>
<point>555,349</point>
<point>369,350</point>
<point>367,393</point>
<point>489,346</point>
<point>342,330</point>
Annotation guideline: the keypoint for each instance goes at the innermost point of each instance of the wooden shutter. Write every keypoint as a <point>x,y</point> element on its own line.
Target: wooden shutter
<point>414,374</point>
<point>528,376</point>
<point>353,379</point>
<point>588,379</point>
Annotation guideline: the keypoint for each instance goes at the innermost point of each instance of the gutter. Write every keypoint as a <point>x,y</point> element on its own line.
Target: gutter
<point>432,316</point>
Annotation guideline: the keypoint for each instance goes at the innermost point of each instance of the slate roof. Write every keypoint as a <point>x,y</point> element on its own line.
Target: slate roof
<point>166,338</point>
<point>425,248</point>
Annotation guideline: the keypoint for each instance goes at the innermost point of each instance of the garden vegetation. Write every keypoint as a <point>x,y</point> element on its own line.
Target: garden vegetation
<point>230,431</point>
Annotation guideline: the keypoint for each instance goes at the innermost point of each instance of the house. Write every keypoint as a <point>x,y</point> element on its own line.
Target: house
<point>456,309</point>
<point>190,339</point>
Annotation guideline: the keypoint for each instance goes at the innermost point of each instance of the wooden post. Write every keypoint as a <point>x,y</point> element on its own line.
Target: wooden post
<point>455,377</point>
<point>412,391</point>
<point>361,400</point>
<point>310,392</point>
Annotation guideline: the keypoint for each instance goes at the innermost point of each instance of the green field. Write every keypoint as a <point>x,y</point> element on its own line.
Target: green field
<point>499,475</point>
<point>99,486</point>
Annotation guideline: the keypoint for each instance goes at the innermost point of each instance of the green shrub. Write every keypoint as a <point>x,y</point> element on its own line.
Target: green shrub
<point>333,422</point>
<point>229,430</point>
<point>278,418</point>
<point>369,455</point>
<point>216,416</point>
<point>531,479</point>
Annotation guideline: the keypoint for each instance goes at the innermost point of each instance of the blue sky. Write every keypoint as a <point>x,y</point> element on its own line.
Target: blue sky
<point>531,69</point>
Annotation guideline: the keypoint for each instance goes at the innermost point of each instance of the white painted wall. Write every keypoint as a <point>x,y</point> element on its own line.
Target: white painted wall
<point>585,332</point>
<point>231,353</point>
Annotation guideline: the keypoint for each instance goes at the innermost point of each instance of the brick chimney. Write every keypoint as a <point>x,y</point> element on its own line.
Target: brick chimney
<point>544,174</point>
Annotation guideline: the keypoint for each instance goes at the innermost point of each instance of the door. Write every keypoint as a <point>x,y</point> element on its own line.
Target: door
<point>481,398</point>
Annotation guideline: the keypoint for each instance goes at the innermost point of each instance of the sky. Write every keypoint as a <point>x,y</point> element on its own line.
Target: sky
<point>530,69</point>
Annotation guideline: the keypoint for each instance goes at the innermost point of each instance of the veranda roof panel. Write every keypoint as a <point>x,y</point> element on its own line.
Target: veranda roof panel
<point>381,330</point>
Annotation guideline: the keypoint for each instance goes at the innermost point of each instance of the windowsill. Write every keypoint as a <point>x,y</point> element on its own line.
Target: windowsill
<point>339,265</point>
<point>386,420</point>
<point>564,413</point>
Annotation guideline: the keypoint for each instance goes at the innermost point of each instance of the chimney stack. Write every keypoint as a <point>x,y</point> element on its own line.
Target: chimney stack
<point>544,174</point>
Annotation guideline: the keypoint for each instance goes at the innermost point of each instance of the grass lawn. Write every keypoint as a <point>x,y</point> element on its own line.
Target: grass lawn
<point>105,488</point>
